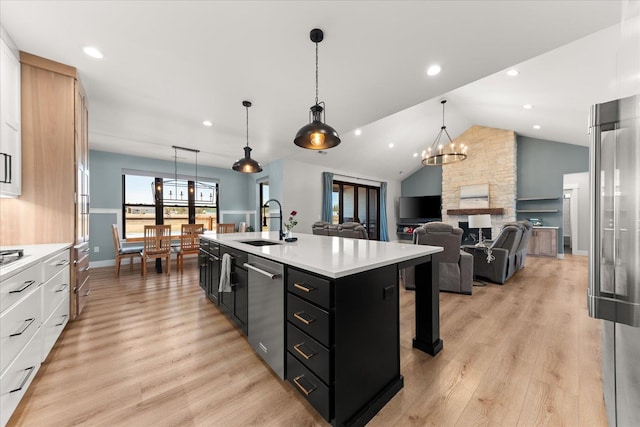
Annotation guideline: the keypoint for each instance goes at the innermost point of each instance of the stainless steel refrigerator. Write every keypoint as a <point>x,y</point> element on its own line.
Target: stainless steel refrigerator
<point>614,256</point>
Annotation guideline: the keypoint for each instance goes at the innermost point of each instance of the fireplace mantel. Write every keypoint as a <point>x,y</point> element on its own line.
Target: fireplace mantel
<point>476,211</point>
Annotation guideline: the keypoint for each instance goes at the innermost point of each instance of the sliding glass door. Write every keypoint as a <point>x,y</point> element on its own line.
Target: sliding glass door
<point>357,203</point>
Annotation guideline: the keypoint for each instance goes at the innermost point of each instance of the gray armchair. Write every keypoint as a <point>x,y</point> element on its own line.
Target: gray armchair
<point>352,230</point>
<point>455,267</point>
<point>504,249</point>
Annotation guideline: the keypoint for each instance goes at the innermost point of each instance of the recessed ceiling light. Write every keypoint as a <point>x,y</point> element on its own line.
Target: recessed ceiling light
<point>207,123</point>
<point>415,154</point>
<point>536,126</point>
<point>358,132</point>
<point>434,70</point>
<point>391,145</point>
<point>527,106</point>
<point>513,72</point>
<point>93,52</point>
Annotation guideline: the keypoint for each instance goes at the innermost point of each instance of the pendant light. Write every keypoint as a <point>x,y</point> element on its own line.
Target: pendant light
<point>317,135</point>
<point>439,154</point>
<point>247,164</point>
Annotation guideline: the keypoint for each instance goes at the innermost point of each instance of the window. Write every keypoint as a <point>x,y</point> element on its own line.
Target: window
<point>151,200</point>
<point>264,211</point>
<point>357,203</point>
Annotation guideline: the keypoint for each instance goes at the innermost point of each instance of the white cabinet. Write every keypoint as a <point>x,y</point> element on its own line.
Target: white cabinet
<point>10,132</point>
<point>34,309</point>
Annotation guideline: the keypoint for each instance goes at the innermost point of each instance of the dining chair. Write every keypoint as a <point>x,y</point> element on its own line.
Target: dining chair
<point>124,252</point>
<point>157,245</point>
<point>189,242</point>
<point>226,228</point>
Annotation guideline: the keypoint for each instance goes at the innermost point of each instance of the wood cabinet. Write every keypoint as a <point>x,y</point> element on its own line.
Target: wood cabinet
<point>543,242</point>
<point>33,313</point>
<point>54,204</point>
<point>10,130</point>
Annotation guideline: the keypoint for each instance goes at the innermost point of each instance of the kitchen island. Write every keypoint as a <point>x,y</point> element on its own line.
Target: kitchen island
<point>338,312</point>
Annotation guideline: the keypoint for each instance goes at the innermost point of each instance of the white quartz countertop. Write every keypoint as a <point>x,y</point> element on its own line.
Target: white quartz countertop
<point>32,255</point>
<point>329,256</point>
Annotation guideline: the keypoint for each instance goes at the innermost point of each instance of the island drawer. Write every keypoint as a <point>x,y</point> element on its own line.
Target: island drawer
<point>312,320</point>
<point>309,386</point>
<point>309,287</point>
<point>310,352</point>
<point>204,244</point>
<point>54,291</point>
<point>57,263</point>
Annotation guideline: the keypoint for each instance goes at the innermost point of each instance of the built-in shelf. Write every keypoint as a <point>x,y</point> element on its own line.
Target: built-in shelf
<point>529,199</point>
<point>537,210</point>
<point>476,211</point>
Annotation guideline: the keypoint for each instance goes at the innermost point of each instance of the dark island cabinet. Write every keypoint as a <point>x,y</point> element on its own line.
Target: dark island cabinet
<point>343,342</point>
<point>236,302</point>
<point>209,264</point>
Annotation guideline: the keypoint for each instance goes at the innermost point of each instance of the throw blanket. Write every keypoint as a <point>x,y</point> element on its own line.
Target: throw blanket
<point>225,274</point>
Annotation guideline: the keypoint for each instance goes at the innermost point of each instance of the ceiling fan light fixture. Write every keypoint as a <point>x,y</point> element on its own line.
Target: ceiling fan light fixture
<point>317,135</point>
<point>442,154</point>
<point>247,164</point>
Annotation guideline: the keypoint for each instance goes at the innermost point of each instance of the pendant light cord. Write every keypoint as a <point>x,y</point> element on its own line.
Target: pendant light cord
<point>316,73</point>
<point>247,108</point>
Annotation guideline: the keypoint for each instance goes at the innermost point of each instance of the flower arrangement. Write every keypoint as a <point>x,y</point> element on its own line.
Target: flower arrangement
<point>291,222</point>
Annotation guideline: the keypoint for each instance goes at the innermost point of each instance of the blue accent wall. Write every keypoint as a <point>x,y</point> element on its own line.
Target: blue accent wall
<point>541,166</point>
<point>106,191</point>
<point>427,181</point>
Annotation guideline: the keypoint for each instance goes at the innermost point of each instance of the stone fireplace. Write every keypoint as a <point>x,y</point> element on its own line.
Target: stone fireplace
<point>492,160</point>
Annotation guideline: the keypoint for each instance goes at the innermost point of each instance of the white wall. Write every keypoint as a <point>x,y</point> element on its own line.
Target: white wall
<point>302,191</point>
<point>581,181</point>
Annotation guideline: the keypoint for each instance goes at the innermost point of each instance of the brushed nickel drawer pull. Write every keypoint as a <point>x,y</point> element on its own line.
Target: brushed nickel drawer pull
<point>62,263</point>
<point>28,323</point>
<point>24,381</point>
<point>302,353</point>
<point>302,287</point>
<point>298,316</point>
<point>26,285</point>
<point>64,316</point>
<point>301,387</point>
<point>63,287</point>
<point>88,292</point>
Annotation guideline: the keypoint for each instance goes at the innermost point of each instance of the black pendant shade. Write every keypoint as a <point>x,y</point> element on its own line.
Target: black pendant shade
<point>317,135</point>
<point>247,164</point>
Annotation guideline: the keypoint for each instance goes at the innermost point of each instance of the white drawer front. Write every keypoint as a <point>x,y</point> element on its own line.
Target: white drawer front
<point>53,326</point>
<point>18,286</point>
<point>54,291</point>
<point>57,263</point>
<point>18,325</point>
<point>16,379</point>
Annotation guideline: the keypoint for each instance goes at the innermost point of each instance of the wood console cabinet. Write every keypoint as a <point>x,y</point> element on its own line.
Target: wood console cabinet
<point>543,242</point>
<point>55,168</point>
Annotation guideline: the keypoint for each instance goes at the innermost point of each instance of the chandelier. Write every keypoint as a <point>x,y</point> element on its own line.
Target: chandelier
<point>442,154</point>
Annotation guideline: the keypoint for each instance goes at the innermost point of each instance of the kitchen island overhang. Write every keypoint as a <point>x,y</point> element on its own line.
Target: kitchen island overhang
<point>341,322</point>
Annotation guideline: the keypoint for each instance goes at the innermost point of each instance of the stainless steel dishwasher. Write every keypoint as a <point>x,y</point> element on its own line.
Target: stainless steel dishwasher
<point>266,311</point>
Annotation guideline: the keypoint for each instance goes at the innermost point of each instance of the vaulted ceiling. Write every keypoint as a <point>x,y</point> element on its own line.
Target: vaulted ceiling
<point>170,65</point>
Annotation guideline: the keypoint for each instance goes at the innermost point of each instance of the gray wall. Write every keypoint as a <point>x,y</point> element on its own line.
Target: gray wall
<point>541,169</point>
<point>106,192</point>
<point>427,181</point>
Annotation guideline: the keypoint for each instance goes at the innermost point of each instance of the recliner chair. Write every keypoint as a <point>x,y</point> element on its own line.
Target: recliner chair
<point>352,230</point>
<point>320,228</point>
<point>504,248</point>
<point>455,267</point>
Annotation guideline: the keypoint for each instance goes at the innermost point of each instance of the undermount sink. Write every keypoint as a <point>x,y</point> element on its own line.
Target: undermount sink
<point>259,242</point>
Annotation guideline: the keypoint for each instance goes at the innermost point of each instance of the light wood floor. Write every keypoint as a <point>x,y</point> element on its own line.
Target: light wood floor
<point>158,353</point>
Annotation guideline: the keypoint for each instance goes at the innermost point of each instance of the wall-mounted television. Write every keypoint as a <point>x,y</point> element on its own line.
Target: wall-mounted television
<point>420,208</point>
